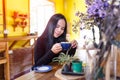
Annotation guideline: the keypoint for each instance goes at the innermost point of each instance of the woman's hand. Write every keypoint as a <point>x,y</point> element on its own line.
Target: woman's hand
<point>56,48</point>
<point>74,44</point>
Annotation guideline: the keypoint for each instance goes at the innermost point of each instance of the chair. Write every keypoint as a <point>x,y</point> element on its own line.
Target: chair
<point>5,59</point>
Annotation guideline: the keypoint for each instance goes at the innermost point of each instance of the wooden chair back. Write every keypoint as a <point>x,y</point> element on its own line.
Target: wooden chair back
<point>5,59</point>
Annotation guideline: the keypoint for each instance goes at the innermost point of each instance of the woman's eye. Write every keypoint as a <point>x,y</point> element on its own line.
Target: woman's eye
<point>62,28</point>
<point>58,26</point>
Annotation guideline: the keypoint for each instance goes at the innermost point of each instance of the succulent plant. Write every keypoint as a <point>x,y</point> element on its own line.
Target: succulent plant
<point>64,58</point>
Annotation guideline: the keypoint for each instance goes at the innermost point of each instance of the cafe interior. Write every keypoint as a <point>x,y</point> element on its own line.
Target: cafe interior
<point>23,21</point>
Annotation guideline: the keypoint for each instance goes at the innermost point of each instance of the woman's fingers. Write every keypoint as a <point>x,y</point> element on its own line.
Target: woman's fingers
<point>56,48</point>
<point>74,44</point>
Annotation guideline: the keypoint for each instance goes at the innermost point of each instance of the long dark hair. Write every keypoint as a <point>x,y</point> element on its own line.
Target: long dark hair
<point>49,30</point>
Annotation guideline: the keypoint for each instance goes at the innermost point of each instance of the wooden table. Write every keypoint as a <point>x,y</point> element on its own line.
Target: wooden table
<point>43,76</point>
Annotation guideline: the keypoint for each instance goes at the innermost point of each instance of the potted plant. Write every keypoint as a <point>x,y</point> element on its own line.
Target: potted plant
<point>65,60</point>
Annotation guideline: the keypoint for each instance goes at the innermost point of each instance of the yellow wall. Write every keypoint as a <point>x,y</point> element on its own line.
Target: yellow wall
<point>69,8</point>
<point>66,7</point>
<point>59,6</point>
<point>1,19</point>
<point>22,7</point>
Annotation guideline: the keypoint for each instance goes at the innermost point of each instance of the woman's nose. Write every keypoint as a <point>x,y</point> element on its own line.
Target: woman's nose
<point>59,29</point>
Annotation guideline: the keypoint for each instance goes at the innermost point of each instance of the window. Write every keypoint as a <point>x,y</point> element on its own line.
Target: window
<point>39,16</point>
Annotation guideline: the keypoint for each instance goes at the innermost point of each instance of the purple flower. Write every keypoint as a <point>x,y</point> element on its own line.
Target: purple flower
<point>97,8</point>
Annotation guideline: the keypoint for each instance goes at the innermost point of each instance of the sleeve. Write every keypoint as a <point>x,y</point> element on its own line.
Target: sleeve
<point>41,56</point>
<point>71,51</point>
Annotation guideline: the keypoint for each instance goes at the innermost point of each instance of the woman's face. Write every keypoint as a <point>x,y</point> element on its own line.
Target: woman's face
<point>59,28</point>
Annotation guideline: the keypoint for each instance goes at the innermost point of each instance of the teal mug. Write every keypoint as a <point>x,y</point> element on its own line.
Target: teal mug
<point>77,66</point>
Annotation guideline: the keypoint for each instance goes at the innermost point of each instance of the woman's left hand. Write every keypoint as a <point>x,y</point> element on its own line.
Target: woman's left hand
<point>74,44</point>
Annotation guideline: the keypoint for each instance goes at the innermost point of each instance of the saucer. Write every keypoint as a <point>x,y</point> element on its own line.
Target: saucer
<point>45,68</point>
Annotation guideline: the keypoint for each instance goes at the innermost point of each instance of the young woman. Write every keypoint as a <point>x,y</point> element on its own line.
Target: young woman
<point>48,44</point>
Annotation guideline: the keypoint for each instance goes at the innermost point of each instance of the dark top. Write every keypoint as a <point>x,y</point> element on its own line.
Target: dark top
<point>43,55</point>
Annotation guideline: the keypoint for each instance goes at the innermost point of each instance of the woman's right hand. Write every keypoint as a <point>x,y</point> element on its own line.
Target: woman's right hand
<point>56,48</point>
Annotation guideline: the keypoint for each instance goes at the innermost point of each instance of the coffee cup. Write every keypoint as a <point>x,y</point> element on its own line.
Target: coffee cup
<point>65,45</point>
